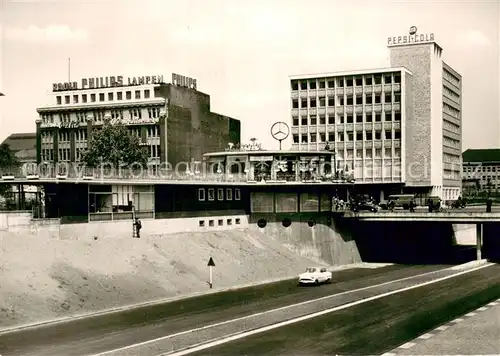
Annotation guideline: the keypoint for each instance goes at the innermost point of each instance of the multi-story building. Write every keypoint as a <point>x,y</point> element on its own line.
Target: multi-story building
<point>399,125</point>
<point>481,167</point>
<point>172,119</point>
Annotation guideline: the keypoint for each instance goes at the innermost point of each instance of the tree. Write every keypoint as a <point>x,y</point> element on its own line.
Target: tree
<point>8,160</point>
<point>8,164</point>
<point>115,145</point>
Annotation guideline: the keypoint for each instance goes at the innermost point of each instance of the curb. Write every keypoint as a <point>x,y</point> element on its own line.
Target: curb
<point>469,265</point>
<point>172,299</point>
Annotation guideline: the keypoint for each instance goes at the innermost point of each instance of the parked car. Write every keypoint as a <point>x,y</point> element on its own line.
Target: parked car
<point>315,276</point>
<point>365,205</point>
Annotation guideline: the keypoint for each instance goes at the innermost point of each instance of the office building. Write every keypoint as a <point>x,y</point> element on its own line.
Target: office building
<point>481,168</point>
<point>172,119</point>
<point>399,125</point>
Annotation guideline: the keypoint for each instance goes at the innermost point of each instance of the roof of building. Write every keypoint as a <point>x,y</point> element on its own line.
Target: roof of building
<point>23,145</point>
<point>350,73</point>
<point>268,153</point>
<point>487,155</point>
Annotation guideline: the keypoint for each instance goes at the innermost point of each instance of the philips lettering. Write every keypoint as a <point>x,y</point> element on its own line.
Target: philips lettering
<point>183,81</point>
<point>108,82</point>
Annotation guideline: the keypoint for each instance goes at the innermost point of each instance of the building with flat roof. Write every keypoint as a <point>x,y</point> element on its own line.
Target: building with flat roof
<point>482,167</point>
<point>173,120</point>
<point>399,126</point>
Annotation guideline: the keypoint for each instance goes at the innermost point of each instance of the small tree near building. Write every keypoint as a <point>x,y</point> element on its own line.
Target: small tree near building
<point>9,163</point>
<point>115,145</point>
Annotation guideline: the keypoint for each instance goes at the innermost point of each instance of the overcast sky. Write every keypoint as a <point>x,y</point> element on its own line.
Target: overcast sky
<point>241,52</point>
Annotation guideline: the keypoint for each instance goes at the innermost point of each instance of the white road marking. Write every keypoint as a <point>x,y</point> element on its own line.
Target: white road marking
<point>471,314</point>
<point>407,345</point>
<point>457,320</point>
<point>493,304</point>
<point>240,335</point>
<point>482,309</point>
<point>442,327</point>
<point>389,354</point>
<point>426,336</point>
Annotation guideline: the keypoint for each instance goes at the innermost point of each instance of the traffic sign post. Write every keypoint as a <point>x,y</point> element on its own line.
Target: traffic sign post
<point>211,264</point>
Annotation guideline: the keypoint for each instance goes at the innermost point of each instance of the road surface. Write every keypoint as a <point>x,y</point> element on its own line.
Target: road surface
<point>108,332</point>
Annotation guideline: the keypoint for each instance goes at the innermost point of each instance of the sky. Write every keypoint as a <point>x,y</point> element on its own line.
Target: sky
<point>241,52</point>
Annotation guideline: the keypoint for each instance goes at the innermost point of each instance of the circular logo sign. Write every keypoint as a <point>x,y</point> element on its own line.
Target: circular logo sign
<point>280,130</point>
<point>413,30</point>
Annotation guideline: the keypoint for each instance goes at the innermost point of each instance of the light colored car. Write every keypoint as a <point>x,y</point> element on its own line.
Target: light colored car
<point>315,275</point>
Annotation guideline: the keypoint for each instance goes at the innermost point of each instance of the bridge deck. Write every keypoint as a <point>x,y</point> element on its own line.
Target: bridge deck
<point>453,216</point>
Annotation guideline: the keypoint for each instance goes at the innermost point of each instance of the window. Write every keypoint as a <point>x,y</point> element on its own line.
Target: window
<point>66,99</point>
<point>237,194</point>
<point>349,82</point>
<point>313,138</point>
<point>119,96</point>
<point>201,223</point>
<point>295,138</point>
<point>322,84</point>
<point>350,119</point>
<point>378,135</point>
<point>312,102</point>
<point>110,96</point>
<point>368,80</point>
<point>229,194</point>
<point>303,120</point>
<point>303,103</point>
<point>388,79</point>
<point>137,94</point>
<point>369,135</point>
<point>295,121</point>
<point>369,117</point>
<point>359,82</point>
<point>388,98</point>
<point>322,101</point>
<point>397,78</point>
<point>75,99</point>
<point>397,97</point>
<point>377,79</point>
<point>397,116</point>
<point>211,194</point>
<point>359,100</point>
<point>303,85</point>
<point>312,84</point>
<point>58,100</point>
<point>322,137</point>
<point>368,99</point>
<point>397,135</point>
<point>331,84</point>
<point>313,120</point>
<point>101,96</point>
<point>92,98</point>
<point>388,116</point>
<point>331,101</point>
<point>128,95</point>
<point>229,222</point>
<point>220,222</point>
<point>388,135</point>
<point>331,119</point>
<point>84,98</point>
<point>349,100</point>
<point>304,138</point>
<point>377,98</point>
<point>295,85</point>
<point>295,103</point>
<point>146,94</point>
<point>359,118</point>
<point>210,223</point>
<point>322,119</point>
<point>220,194</point>
<point>378,117</point>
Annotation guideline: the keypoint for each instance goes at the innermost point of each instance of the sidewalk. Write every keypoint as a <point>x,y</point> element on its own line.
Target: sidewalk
<point>475,333</point>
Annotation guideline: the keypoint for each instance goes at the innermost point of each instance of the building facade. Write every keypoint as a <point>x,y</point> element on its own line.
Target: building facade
<point>481,170</point>
<point>173,120</point>
<point>400,124</point>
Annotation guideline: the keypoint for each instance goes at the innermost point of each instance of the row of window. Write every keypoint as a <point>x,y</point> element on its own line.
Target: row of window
<point>450,77</point>
<point>64,153</point>
<point>367,153</point>
<point>367,79</point>
<point>481,169</point>
<point>99,115</point>
<point>451,111</point>
<point>451,126</point>
<point>369,99</point>
<point>220,222</point>
<point>452,143</point>
<point>451,94</point>
<point>209,194</point>
<point>344,119</point>
<point>449,174</point>
<point>449,158</point>
<point>92,98</point>
<point>347,136</point>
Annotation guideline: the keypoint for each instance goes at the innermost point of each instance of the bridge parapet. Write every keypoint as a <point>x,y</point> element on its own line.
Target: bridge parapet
<point>453,216</point>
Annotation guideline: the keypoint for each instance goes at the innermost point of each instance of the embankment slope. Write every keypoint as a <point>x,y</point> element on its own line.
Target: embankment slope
<point>45,278</point>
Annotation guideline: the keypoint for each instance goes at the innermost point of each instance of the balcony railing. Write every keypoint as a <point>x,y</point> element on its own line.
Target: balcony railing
<point>71,173</point>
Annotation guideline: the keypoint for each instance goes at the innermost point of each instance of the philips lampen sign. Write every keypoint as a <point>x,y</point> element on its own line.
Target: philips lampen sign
<point>412,37</point>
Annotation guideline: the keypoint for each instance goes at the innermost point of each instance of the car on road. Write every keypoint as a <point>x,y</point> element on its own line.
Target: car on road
<point>365,205</point>
<point>315,276</point>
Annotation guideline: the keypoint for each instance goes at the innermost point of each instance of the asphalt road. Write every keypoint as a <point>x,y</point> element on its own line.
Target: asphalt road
<point>467,209</point>
<point>377,326</point>
<point>107,332</point>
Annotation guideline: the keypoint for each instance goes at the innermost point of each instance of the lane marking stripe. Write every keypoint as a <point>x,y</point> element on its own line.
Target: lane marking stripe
<point>426,336</point>
<point>482,309</point>
<point>225,339</point>
<point>278,309</point>
<point>458,320</point>
<point>471,314</point>
<point>442,327</point>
